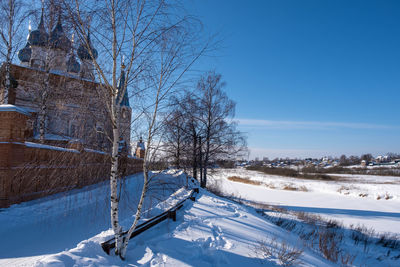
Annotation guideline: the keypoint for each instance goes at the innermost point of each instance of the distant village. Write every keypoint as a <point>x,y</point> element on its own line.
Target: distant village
<point>366,160</point>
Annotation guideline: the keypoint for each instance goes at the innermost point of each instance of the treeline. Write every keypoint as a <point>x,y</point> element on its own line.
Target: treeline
<point>305,173</point>
<point>199,130</point>
<point>320,173</point>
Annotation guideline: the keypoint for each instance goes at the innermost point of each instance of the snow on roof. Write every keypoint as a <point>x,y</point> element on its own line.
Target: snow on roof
<point>8,107</point>
<point>36,145</point>
<point>53,137</point>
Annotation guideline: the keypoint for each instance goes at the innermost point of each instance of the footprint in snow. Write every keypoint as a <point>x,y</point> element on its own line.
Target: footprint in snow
<point>218,239</point>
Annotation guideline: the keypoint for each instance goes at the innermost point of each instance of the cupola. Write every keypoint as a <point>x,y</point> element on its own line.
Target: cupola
<point>84,53</point>
<point>39,37</point>
<point>73,65</point>
<point>58,39</point>
<point>25,53</point>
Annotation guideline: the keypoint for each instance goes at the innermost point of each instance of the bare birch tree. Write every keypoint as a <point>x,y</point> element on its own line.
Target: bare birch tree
<point>158,46</point>
<point>12,16</point>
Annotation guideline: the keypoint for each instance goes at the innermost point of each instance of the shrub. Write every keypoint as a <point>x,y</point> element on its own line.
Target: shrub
<point>287,255</point>
<point>329,244</point>
<point>243,180</point>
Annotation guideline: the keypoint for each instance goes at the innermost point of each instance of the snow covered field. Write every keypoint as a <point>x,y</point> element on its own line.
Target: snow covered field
<point>67,229</point>
<point>373,201</point>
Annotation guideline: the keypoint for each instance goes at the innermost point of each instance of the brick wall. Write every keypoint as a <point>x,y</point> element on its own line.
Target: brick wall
<point>32,172</point>
<point>10,129</point>
<point>29,171</point>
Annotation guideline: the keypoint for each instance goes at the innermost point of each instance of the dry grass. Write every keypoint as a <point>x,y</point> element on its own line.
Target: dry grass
<point>291,187</point>
<point>243,180</point>
<point>287,172</point>
<point>287,255</point>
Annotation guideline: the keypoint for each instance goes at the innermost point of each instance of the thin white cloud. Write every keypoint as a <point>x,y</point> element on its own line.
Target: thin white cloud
<point>309,124</point>
<point>283,153</point>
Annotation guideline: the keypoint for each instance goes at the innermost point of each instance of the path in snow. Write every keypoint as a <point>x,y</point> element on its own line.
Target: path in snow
<point>209,232</point>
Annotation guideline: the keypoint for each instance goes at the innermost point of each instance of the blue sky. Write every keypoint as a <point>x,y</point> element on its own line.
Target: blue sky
<point>310,77</point>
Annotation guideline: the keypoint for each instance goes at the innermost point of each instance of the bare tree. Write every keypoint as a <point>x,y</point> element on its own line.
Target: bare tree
<point>205,126</point>
<point>174,137</point>
<point>343,160</point>
<point>221,138</point>
<point>156,43</point>
<point>182,130</point>
<point>11,18</point>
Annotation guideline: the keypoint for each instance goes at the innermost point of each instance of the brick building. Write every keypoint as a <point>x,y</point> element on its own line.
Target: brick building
<point>55,87</point>
<point>61,92</point>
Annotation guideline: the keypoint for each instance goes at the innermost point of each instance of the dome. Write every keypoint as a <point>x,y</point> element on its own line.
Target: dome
<point>58,39</point>
<point>39,36</point>
<point>73,65</point>
<point>25,53</point>
<point>83,52</point>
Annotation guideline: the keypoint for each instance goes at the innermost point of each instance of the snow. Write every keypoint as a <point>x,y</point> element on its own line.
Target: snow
<point>208,232</point>
<point>338,200</point>
<point>67,229</point>
<point>61,221</point>
<point>8,107</point>
<point>36,145</point>
<point>53,137</point>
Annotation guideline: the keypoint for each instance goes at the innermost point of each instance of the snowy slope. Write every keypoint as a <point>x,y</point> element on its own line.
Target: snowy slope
<point>67,230</point>
<point>59,222</point>
<point>209,232</point>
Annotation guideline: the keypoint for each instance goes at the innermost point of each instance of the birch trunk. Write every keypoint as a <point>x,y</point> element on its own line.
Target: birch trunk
<point>8,81</point>
<point>9,52</point>
<point>150,134</point>
<point>138,211</point>
<point>42,117</point>
<point>114,198</point>
<point>43,100</point>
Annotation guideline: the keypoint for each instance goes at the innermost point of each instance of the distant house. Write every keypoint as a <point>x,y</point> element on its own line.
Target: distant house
<point>364,163</point>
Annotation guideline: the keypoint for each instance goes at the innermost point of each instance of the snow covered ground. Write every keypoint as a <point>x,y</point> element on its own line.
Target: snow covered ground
<point>208,232</point>
<point>67,229</point>
<point>59,222</point>
<point>373,201</point>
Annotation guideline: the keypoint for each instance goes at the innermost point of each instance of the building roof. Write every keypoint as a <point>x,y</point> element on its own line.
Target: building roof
<point>73,65</point>
<point>121,84</point>
<point>9,107</point>
<point>83,52</point>
<point>25,53</point>
<point>58,39</point>
<point>39,37</point>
